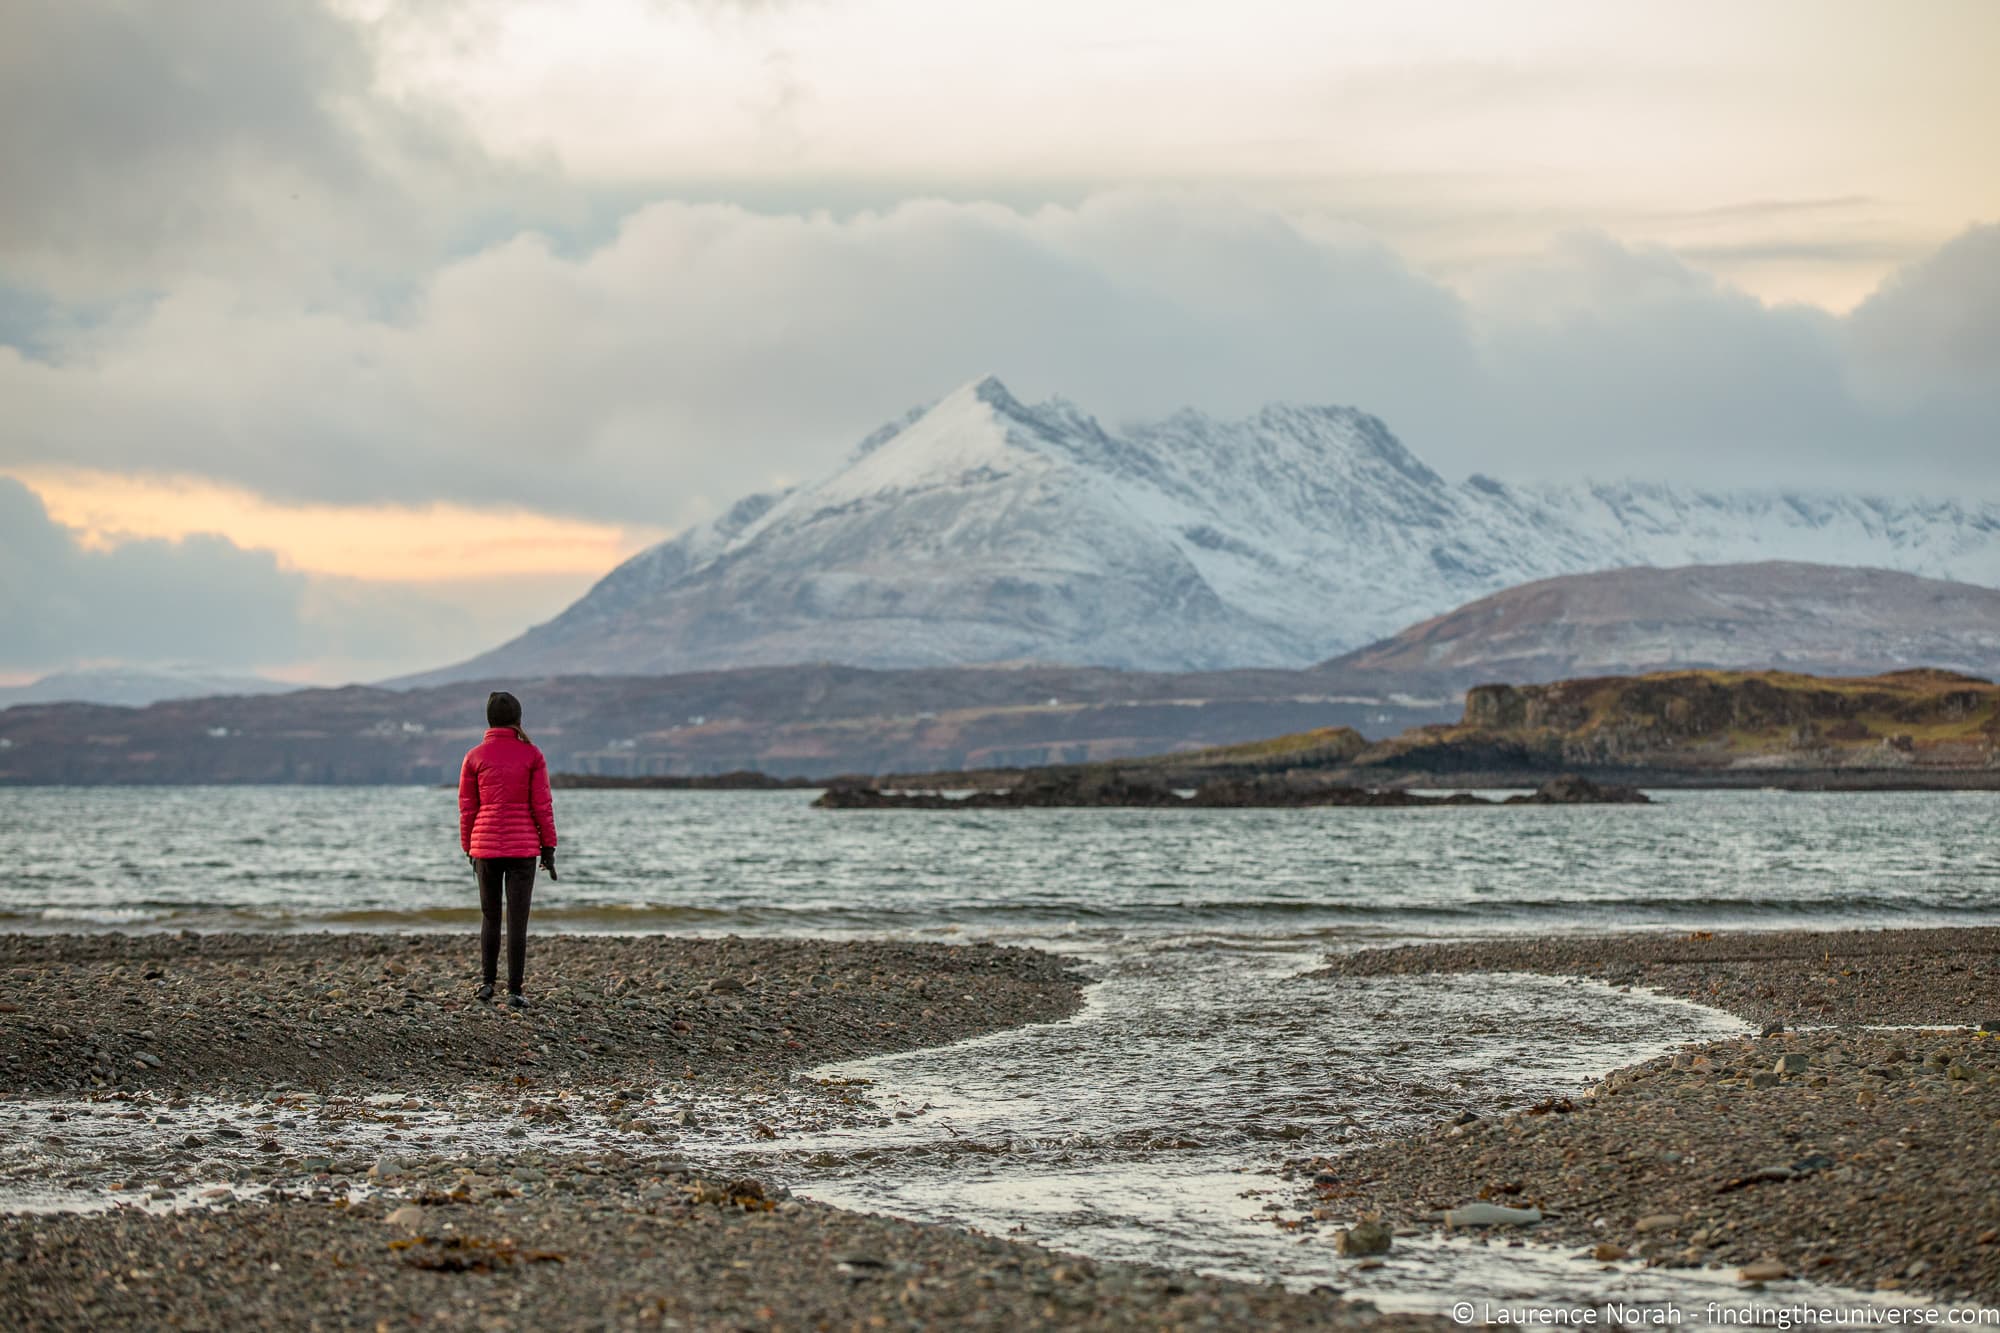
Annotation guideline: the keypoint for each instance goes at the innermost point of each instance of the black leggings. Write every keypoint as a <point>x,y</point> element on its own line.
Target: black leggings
<point>517,874</point>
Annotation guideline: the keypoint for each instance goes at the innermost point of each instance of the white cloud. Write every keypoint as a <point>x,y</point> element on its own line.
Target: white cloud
<point>204,599</point>
<point>290,245</point>
<point>201,599</point>
<point>705,351</point>
<point>1933,330</point>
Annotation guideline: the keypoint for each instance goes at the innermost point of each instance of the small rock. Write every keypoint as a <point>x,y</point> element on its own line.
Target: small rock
<point>1774,1028</point>
<point>1761,1175</point>
<point>1363,1238</point>
<point>1656,1222</point>
<point>1764,1270</point>
<point>1792,1062</point>
<point>1608,1253</point>
<point>1763,1080</point>
<point>726,986</point>
<point>386,1168</point>
<point>820,979</point>
<point>409,1215</point>
<point>1491,1215</point>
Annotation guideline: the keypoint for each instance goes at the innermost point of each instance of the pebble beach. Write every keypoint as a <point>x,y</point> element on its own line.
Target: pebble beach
<point>302,1153</point>
<point>361,1036</point>
<point>334,1012</point>
<point>1852,1143</point>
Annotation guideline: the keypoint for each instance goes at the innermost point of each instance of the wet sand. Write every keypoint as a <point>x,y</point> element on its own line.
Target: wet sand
<point>1843,1152</point>
<point>254,1229</point>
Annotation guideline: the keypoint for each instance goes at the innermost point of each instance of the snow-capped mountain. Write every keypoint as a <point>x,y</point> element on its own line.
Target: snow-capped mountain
<point>1821,619</point>
<point>136,686</point>
<point>986,530</point>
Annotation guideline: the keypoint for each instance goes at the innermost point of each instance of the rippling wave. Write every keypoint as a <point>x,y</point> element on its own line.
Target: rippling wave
<point>387,859</point>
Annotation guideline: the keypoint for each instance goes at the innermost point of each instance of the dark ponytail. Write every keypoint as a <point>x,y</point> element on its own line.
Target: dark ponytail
<point>504,710</point>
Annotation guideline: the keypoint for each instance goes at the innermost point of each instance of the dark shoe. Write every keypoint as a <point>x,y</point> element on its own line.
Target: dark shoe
<point>486,993</point>
<point>516,1000</point>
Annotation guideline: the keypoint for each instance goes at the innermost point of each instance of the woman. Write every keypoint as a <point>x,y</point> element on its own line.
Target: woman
<point>505,819</point>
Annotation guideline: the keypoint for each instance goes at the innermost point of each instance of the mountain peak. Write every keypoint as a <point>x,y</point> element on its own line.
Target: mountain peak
<point>986,391</point>
<point>983,529</point>
<point>978,429</point>
<point>979,399</point>
<point>989,390</point>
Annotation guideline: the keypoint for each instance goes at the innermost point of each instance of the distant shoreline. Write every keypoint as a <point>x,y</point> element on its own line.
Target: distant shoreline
<point>1651,779</point>
<point>741,780</point>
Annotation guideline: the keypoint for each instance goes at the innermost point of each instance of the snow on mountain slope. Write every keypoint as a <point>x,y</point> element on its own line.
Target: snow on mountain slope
<point>986,530</point>
<point>1786,615</point>
<point>136,686</point>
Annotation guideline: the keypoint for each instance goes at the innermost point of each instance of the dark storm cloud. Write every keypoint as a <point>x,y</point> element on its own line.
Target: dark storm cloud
<point>138,141</point>
<point>202,599</point>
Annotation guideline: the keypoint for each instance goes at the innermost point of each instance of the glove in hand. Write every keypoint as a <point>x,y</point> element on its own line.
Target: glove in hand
<point>549,862</point>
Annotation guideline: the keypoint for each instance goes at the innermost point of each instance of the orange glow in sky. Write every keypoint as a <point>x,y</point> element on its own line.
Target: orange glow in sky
<point>395,543</point>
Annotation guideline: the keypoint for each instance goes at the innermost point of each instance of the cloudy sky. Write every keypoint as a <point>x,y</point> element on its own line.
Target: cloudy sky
<point>345,338</point>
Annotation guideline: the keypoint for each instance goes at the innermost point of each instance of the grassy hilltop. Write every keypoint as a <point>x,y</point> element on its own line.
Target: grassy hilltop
<point>1907,728</point>
<point>1719,720</point>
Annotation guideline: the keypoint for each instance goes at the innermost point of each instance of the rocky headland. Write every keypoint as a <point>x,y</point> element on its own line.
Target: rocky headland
<point>1070,788</point>
<point>1910,730</point>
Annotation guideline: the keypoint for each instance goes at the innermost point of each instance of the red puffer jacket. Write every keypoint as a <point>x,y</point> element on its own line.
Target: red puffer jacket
<point>503,798</point>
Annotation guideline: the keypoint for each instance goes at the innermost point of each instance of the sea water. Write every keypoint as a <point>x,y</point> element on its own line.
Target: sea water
<point>387,858</point>
<point>1152,1125</point>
